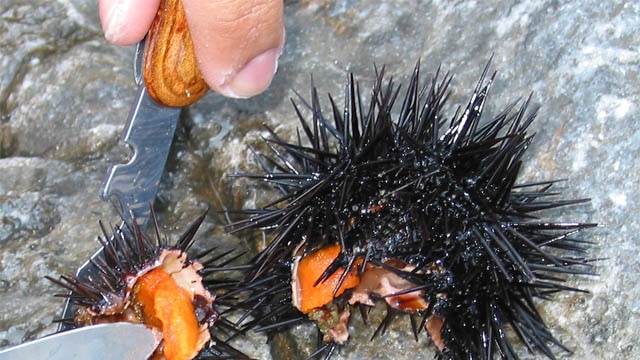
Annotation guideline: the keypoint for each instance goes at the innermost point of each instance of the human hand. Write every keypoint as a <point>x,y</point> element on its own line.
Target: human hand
<point>237,42</point>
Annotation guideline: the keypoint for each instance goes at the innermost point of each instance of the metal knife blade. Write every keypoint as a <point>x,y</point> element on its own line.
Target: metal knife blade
<point>116,341</point>
<point>149,131</point>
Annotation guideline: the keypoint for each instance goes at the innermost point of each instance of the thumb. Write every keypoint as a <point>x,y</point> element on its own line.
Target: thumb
<point>237,43</point>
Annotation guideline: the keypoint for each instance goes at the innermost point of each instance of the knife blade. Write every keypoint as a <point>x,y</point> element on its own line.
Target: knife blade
<point>166,72</point>
<point>149,132</point>
<point>115,341</point>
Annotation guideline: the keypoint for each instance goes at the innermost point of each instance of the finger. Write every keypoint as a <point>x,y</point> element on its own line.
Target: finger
<point>237,43</point>
<point>126,22</point>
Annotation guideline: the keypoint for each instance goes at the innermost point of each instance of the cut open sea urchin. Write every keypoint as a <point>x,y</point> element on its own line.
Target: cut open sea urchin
<point>142,279</point>
<point>386,199</point>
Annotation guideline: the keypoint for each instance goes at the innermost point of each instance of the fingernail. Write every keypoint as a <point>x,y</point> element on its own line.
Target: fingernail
<point>254,77</point>
<point>115,21</point>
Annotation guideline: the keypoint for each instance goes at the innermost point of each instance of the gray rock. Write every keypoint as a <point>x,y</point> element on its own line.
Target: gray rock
<point>65,93</point>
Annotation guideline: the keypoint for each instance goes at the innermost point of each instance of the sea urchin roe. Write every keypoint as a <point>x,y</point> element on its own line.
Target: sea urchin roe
<point>166,299</point>
<point>375,282</point>
<point>307,295</point>
<point>167,306</point>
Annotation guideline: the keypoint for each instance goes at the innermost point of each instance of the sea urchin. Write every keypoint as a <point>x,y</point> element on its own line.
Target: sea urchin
<point>389,200</point>
<point>141,279</point>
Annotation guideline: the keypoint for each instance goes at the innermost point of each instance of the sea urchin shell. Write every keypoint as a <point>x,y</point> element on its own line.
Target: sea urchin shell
<point>427,210</point>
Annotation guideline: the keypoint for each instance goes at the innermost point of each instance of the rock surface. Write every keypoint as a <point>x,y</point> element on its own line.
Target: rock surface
<point>65,93</point>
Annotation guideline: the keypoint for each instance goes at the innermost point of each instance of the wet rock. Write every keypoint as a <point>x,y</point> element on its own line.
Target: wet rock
<point>65,93</point>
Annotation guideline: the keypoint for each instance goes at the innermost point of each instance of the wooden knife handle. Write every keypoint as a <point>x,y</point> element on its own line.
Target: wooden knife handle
<point>170,68</point>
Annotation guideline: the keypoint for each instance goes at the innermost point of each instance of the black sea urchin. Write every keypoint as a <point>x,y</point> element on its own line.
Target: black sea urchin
<point>389,200</point>
<point>142,279</point>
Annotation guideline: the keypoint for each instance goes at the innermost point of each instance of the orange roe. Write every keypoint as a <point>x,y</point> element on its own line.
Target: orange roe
<point>167,306</point>
<point>310,269</point>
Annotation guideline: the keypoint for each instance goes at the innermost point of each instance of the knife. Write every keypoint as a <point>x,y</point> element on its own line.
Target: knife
<point>167,77</point>
<point>116,341</point>
<point>149,131</point>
